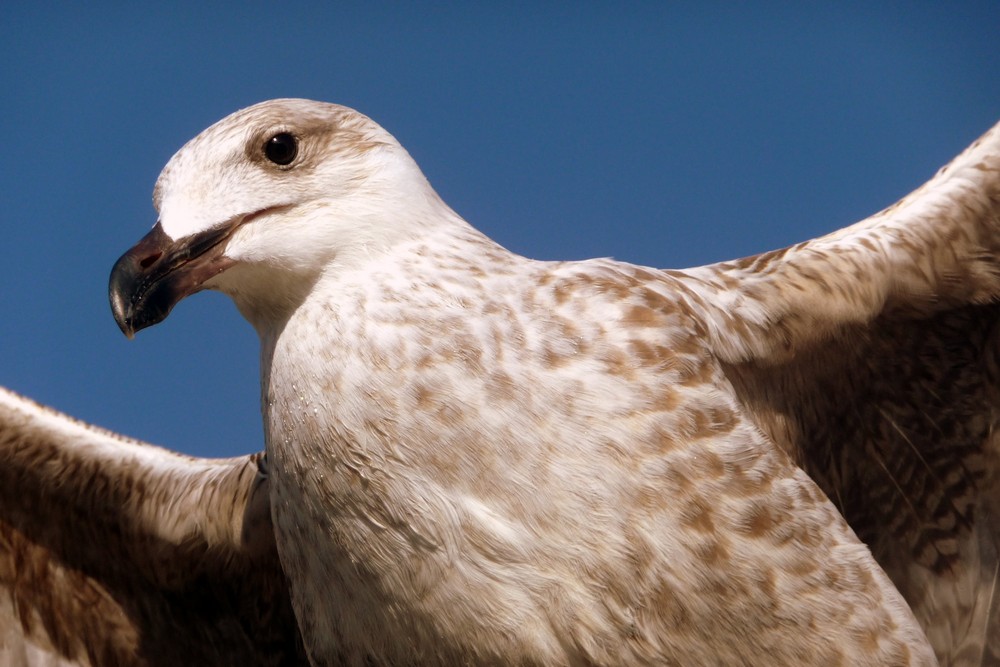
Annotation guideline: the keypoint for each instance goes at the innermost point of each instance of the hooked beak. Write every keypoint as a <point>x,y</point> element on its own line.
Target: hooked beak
<point>148,280</point>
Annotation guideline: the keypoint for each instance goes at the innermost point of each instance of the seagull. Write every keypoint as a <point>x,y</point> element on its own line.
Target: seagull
<point>116,552</point>
<point>478,458</point>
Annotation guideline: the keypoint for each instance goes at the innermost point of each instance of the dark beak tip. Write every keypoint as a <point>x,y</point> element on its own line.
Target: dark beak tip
<point>126,327</point>
<point>118,290</point>
<point>137,295</point>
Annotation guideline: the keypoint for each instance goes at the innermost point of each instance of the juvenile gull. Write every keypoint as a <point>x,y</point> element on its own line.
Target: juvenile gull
<point>478,458</point>
<point>114,552</point>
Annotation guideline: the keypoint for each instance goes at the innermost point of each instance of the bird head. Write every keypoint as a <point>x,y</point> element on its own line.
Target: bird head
<point>264,202</point>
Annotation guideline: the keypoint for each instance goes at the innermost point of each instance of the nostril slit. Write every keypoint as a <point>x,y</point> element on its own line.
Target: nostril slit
<point>149,259</point>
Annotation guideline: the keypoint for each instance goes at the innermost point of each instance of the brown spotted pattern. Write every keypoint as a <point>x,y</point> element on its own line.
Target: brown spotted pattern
<point>480,459</point>
<point>544,464</point>
<point>896,423</point>
<point>870,356</point>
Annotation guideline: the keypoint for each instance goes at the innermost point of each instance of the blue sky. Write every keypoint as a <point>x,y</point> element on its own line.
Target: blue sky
<point>667,136</point>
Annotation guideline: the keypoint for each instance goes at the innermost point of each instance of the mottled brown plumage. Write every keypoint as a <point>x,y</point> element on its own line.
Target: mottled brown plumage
<point>896,421</point>
<point>875,366</point>
<point>482,459</point>
<point>479,458</point>
<point>114,552</point>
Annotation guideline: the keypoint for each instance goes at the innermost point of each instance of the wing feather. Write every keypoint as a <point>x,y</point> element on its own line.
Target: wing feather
<point>115,552</point>
<point>871,355</point>
<point>934,250</point>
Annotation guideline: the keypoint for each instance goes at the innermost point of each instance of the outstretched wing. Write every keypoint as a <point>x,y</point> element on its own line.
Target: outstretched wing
<point>114,552</point>
<point>872,356</point>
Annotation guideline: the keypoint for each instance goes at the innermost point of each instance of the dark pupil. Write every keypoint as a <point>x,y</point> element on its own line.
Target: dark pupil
<point>281,148</point>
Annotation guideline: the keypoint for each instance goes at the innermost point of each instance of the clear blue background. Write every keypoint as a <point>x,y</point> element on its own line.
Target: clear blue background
<point>664,136</point>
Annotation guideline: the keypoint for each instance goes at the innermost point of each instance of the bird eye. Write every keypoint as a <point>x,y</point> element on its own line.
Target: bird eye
<point>281,149</point>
